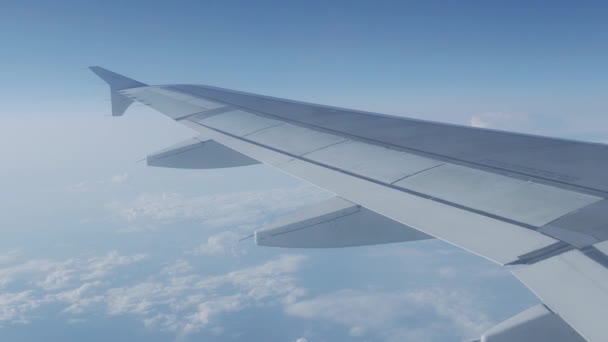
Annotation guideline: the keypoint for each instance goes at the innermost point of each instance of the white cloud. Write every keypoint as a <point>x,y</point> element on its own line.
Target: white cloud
<point>500,120</point>
<point>357,310</point>
<point>447,272</point>
<point>178,267</point>
<point>120,178</point>
<point>98,267</point>
<point>393,315</point>
<point>302,339</point>
<point>457,306</point>
<point>40,269</point>
<point>47,281</point>
<point>186,303</point>
<point>225,243</point>
<point>432,256</point>
<point>78,299</point>
<point>238,211</point>
<point>79,187</point>
<point>175,300</point>
<point>76,321</point>
<point>94,185</point>
<point>8,257</point>
<point>50,274</point>
<point>15,307</point>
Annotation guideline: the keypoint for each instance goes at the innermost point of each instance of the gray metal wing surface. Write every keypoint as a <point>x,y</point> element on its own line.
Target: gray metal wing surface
<point>533,204</point>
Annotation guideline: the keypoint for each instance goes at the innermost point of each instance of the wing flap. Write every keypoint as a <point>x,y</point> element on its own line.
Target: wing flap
<point>575,287</point>
<point>335,223</point>
<point>198,153</point>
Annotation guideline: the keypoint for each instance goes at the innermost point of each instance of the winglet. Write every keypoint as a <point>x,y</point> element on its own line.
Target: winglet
<point>117,82</point>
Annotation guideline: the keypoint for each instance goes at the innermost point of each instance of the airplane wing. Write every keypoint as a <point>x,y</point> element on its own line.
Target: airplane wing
<point>535,205</point>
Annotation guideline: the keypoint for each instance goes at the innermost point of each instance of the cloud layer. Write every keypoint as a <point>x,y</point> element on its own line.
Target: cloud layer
<point>397,315</point>
<point>32,284</point>
<point>176,299</point>
<point>237,211</point>
<point>185,302</point>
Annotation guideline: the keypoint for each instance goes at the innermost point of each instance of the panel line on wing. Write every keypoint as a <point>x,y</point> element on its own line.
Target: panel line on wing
<point>411,192</point>
<point>261,129</point>
<point>324,147</point>
<point>476,165</point>
<point>413,174</point>
<point>316,223</point>
<point>207,113</point>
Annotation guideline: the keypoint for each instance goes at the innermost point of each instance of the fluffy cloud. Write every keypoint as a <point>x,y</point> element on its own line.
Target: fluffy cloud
<point>440,259</point>
<point>178,267</point>
<point>16,306</point>
<point>83,186</point>
<point>458,307</point>
<point>186,303</point>
<point>86,186</point>
<point>120,178</point>
<point>175,299</point>
<point>500,120</point>
<point>389,313</point>
<point>235,210</point>
<point>355,309</point>
<point>78,299</point>
<point>59,274</point>
<point>225,243</point>
<point>178,299</point>
<point>50,281</point>
<point>9,256</point>
<point>98,267</point>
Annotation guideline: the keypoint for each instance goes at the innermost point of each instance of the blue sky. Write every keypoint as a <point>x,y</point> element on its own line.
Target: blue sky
<point>97,245</point>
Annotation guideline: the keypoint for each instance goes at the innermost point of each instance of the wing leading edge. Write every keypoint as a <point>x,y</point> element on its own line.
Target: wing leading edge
<point>532,204</point>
